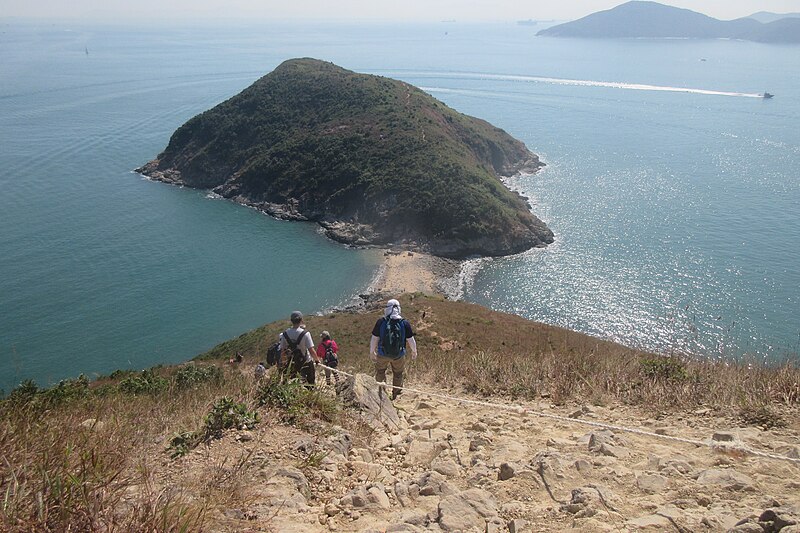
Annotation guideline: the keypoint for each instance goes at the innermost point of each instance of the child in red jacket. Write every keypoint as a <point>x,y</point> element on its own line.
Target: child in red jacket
<point>328,352</point>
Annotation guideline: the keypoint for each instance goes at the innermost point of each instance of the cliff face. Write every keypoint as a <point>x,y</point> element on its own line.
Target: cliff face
<point>371,159</point>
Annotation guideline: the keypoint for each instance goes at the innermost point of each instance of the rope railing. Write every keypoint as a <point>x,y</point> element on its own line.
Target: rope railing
<point>728,446</point>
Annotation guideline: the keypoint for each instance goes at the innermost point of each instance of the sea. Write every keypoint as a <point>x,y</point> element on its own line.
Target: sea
<point>672,187</point>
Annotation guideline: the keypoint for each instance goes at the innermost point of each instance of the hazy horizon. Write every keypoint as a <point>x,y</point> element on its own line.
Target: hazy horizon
<point>354,10</point>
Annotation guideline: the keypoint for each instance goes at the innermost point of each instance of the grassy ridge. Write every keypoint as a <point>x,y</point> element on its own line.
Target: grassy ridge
<point>83,455</point>
<point>489,352</point>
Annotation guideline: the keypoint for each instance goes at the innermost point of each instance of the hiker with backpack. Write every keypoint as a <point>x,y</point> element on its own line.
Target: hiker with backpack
<point>387,347</point>
<point>297,350</point>
<point>328,352</point>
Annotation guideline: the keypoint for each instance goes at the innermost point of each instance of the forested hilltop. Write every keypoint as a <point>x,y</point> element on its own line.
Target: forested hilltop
<point>371,159</point>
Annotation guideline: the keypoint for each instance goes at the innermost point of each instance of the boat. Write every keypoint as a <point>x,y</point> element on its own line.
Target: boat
<point>767,95</point>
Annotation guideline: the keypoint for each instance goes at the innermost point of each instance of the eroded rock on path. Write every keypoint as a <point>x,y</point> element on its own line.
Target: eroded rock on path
<point>426,465</point>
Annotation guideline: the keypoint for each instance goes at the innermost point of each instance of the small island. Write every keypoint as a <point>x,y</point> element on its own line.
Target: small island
<point>374,161</point>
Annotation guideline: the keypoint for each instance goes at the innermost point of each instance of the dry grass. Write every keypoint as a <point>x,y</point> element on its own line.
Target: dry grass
<point>492,353</point>
<point>84,462</point>
<point>93,457</point>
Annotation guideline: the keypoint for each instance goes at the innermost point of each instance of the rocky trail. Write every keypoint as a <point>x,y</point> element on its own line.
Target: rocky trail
<point>430,464</point>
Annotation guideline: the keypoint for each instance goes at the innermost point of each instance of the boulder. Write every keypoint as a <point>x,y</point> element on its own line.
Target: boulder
<point>285,487</point>
<point>415,518</point>
<point>446,467</point>
<point>466,511</point>
<point>748,525</point>
<point>517,525</point>
<point>549,465</point>
<point>778,518</point>
<point>583,466</point>
<point>433,484</point>
<point>507,471</point>
<point>371,472</point>
<point>724,436</point>
<point>588,501</point>
<point>653,522</point>
<point>372,496</point>
<point>363,392</point>
<point>423,452</point>
<point>725,479</point>
<point>479,442</point>
<point>606,443</point>
<point>341,442</point>
<point>651,483</point>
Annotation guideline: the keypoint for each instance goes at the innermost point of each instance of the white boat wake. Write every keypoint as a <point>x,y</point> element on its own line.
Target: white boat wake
<point>580,83</point>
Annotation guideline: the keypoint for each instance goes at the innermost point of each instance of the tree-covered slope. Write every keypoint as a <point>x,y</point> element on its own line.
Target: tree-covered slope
<point>373,160</point>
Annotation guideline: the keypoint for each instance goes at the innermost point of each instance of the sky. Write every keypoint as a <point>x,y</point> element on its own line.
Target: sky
<point>398,10</point>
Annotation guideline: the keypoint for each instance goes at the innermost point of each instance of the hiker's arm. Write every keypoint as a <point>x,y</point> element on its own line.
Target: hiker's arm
<point>373,348</point>
<point>312,351</point>
<point>412,342</point>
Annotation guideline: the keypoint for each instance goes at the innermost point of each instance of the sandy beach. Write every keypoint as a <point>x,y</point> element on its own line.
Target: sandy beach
<point>405,271</point>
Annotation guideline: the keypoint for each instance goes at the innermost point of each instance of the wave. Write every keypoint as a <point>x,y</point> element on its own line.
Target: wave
<point>581,83</point>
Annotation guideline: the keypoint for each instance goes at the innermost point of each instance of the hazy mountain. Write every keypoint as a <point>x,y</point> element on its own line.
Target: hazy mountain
<point>641,19</point>
<point>766,17</point>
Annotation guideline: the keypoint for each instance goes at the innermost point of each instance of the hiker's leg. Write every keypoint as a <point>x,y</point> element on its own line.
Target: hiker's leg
<point>290,372</point>
<point>398,365</point>
<point>309,372</point>
<point>328,376</point>
<point>381,364</point>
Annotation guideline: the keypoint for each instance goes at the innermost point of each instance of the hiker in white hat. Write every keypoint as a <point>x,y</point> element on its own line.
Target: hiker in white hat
<point>387,347</point>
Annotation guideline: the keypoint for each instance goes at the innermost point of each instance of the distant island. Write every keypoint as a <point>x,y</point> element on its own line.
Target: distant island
<point>766,17</point>
<point>639,19</point>
<point>374,161</point>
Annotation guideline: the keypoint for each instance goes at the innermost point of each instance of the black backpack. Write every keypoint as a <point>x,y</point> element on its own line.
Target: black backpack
<point>330,358</point>
<point>274,354</point>
<point>393,337</point>
<point>294,346</point>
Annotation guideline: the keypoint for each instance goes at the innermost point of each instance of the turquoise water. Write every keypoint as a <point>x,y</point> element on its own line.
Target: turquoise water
<point>677,214</point>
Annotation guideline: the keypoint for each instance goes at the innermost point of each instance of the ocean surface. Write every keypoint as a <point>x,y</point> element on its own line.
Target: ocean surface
<point>672,188</point>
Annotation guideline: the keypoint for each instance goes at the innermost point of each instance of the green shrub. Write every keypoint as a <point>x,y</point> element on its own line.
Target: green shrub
<point>296,402</point>
<point>29,394</point>
<point>663,368</point>
<point>119,374</point>
<point>23,393</point>
<point>227,414</point>
<point>190,376</point>
<point>66,391</point>
<point>224,414</point>
<point>146,382</point>
<point>181,443</point>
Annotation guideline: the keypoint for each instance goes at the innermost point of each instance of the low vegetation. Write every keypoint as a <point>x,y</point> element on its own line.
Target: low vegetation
<point>469,347</point>
<point>377,155</point>
<point>83,455</point>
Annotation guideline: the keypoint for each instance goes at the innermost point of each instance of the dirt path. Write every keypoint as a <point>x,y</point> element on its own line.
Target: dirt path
<point>453,467</point>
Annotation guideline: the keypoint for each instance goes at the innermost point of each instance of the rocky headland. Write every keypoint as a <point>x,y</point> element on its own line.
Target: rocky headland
<point>374,161</point>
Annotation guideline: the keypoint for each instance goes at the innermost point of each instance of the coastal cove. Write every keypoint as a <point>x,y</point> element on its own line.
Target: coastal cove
<point>674,212</point>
